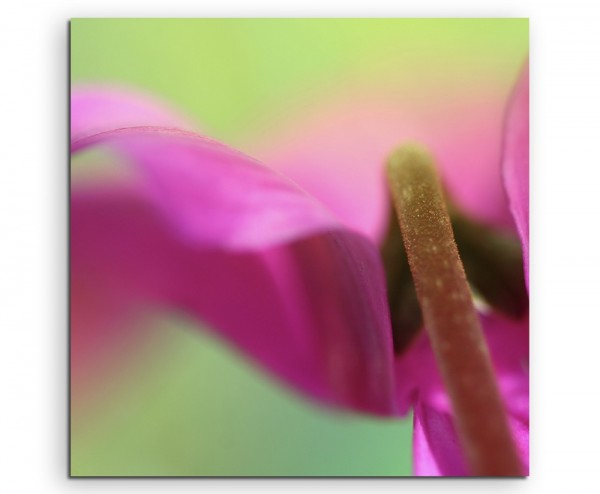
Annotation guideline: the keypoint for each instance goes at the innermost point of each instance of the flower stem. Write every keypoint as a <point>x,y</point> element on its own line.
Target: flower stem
<point>449,315</point>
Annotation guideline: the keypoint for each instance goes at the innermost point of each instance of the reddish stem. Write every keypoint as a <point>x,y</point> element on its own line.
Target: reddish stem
<point>449,315</point>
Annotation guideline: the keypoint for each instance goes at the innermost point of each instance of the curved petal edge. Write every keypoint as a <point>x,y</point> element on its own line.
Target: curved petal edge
<point>205,230</point>
<point>516,161</point>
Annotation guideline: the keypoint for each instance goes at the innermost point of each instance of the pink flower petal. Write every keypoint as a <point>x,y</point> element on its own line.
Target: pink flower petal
<point>205,230</point>
<point>213,193</point>
<point>516,162</point>
<point>436,448</point>
<point>96,109</point>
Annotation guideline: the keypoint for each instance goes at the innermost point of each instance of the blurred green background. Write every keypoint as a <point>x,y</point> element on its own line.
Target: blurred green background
<point>186,404</point>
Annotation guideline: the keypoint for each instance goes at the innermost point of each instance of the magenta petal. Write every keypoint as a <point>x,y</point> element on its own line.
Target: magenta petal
<point>207,231</point>
<point>516,161</point>
<point>96,109</point>
<point>436,448</point>
<point>213,194</point>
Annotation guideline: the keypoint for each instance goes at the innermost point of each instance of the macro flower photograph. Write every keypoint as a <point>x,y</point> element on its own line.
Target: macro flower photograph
<point>299,247</point>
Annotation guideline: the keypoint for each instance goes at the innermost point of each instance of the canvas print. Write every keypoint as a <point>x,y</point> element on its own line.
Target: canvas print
<point>299,247</point>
